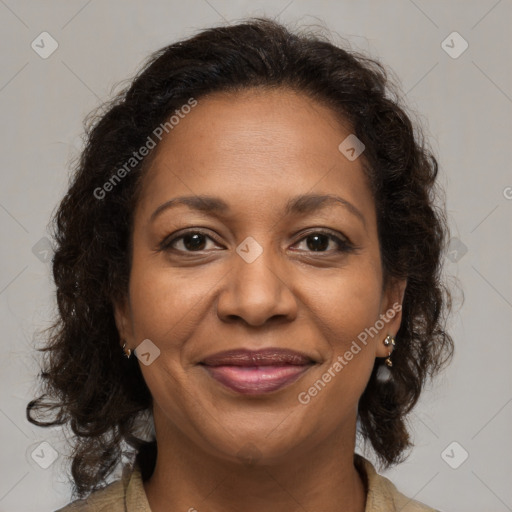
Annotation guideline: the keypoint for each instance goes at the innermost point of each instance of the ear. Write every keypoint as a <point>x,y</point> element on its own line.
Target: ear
<point>122,316</point>
<point>391,314</point>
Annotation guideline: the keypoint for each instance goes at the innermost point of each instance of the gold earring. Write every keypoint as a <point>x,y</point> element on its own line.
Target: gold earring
<point>389,341</point>
<point>127,351</point>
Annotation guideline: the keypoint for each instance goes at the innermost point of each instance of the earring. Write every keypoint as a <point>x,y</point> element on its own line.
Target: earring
<point>389,341</point>
<point>127,351</point>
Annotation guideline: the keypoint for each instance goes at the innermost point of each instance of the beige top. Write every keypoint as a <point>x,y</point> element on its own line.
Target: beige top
<point>128,495</point>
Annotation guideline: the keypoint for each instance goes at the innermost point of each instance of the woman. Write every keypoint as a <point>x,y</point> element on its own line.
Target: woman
<point>252,223</point>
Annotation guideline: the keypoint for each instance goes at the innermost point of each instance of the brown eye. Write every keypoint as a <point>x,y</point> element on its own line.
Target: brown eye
<point>194,241</point>
<point>317,242</point>
<point>191,241</point>
<point>320,241</point>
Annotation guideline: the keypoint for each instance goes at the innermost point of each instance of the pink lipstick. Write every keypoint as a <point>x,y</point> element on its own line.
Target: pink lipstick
<point>257,372</point>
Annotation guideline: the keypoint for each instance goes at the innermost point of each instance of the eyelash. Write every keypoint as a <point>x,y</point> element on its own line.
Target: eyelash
<point>344,246</point>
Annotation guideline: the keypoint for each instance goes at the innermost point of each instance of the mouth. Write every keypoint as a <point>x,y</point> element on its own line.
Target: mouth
<point>257,372</point>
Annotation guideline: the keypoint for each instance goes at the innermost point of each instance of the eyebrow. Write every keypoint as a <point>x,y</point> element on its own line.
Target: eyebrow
<point>302,204</point>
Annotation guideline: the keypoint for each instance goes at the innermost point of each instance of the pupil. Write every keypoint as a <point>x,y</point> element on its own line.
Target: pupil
<point>197,243</point>
<point>316,245</point>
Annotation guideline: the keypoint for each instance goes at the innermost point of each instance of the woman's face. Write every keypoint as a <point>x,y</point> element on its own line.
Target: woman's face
<point>265,271</point>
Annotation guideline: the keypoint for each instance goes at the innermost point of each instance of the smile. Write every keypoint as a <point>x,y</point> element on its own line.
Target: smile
<point>258,379</point>
<point>257,372</point>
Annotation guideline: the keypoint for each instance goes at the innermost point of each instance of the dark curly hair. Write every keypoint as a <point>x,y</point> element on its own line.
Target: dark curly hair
<point>101,396</point>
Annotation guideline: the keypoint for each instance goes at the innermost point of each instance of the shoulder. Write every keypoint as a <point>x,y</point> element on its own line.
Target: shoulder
<point>111,498</point>
<point>382,494</point>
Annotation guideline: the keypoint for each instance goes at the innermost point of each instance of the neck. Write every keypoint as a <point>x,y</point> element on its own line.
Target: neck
<point>322,477</point>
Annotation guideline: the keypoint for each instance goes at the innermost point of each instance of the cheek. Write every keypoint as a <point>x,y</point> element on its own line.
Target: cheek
<point>346,312</point>
<point>166,305</point>
<point>349,302</point>
<point>164,301</point>
<point>333,391</point>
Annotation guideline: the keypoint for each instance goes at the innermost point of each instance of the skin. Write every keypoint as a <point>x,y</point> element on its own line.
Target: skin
<point>255,150</point>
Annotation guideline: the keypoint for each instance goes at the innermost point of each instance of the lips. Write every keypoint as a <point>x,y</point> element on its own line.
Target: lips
<point>257,372</point>
<point>267,357</point>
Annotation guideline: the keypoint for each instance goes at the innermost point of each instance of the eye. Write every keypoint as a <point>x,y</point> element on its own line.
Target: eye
<point>320,240</point>
<point>190,241</point>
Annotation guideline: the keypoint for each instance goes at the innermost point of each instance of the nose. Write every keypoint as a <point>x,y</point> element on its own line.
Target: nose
<point>257,292</point>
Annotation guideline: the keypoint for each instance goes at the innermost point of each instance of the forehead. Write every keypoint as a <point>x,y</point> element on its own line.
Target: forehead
<point>270,144</point>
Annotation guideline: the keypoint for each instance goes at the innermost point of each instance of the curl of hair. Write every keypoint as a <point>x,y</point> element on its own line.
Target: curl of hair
<point>100,395</point>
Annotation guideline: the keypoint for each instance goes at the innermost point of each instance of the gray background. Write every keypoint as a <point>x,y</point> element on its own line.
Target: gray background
<point>466,106</point>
